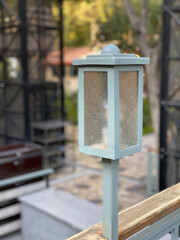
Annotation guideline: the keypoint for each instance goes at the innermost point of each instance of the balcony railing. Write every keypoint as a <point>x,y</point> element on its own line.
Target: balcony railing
<point>150,219</point>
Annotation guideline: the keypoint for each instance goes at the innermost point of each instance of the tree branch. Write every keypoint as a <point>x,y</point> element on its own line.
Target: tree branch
<point>144,17</point>
<point>139,25</point>
<point>133,18</point>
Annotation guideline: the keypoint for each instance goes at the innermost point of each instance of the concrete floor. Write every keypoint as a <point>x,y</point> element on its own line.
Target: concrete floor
<point>82,176</point>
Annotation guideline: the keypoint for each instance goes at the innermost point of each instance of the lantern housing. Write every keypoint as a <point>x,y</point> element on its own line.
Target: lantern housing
<point>110,103</point>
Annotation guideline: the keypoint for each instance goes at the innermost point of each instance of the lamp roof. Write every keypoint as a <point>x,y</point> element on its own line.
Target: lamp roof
<point>110,55</point>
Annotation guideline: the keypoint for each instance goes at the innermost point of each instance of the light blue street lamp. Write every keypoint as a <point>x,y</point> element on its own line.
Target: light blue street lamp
<point>110,118</point>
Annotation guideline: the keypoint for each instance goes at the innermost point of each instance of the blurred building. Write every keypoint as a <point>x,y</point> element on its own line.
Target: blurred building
<point>28,32</point>
<point>170,96</point>
<point>53,62</point>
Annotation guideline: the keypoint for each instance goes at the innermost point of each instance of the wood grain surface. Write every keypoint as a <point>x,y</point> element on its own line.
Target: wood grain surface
<point>139,216</point>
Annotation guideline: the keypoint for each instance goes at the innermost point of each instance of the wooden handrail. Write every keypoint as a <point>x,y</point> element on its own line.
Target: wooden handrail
<point>139,216</point>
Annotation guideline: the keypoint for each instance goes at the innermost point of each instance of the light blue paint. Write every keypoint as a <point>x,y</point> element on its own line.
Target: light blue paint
<point>110,55</point>
<point>137,148</point>
<point>114,59</point>
<point>113,152</point>
<point>149,176</point>
<point>81,108</point>
<point>25,177</point>
<point>109,49</point>
<point>111,114</point>
<point>153,174</point>
<point>111,61</point>
<point>175,233</point>
<point>110,199</point>
<point>157,230</point>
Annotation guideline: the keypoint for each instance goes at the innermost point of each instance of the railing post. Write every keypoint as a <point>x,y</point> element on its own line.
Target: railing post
<point>175,233</point>
<point>110,198</point>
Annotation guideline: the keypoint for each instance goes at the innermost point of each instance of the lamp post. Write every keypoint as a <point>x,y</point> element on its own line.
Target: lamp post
<point>110,118</point>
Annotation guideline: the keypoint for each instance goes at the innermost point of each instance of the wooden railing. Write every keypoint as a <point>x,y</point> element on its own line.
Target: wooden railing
<point>155,217</point>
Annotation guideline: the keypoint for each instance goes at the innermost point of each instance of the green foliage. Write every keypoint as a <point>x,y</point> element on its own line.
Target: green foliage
<point>111,20</point>
<point>76,23</point>
<point>117,27</point>
<point>71,107</point>
<point>79,35</point>
<point>154,24</point>
<point>147,125</point>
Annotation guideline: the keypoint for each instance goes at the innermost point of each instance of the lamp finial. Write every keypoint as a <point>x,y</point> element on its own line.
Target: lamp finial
<point>110,48</point>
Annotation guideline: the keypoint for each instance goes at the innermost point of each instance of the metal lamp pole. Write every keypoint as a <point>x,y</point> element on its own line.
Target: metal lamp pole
<point>110,198</point>
<point>110,118</point>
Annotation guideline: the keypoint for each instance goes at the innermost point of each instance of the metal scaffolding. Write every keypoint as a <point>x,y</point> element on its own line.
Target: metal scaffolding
<point>170,96</point>
<point>28,32</point>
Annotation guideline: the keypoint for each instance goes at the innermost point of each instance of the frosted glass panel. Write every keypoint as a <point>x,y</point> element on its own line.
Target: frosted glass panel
<point>96,110</point>
<point>128,109</point>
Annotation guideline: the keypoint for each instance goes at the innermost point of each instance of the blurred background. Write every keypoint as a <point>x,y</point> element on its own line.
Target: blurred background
<point>38,109</point>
